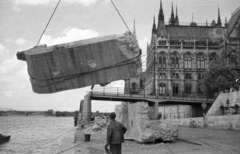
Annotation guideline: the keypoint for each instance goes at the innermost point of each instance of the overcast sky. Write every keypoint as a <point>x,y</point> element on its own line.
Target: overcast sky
<point>22,22</point>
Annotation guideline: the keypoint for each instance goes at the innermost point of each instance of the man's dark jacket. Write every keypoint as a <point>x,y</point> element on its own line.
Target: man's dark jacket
<point>115,132</point>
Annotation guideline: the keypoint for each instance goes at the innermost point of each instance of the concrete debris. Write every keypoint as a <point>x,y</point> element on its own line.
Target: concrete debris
<point>141,129</point>
<point>99,126</point>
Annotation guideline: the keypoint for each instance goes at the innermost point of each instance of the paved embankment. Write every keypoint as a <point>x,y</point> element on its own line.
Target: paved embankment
<point>191,140</point>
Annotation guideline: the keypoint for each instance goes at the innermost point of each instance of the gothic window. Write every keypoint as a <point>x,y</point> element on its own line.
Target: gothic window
<point>232,58</point>
<point>188,76</point>
<point>188,88</point>
<point>175,76</point>
<point>162,89</point>
<point>162,59</point>
<point>162,43</point>
<point>213,56</point>
<point>187,61</point>
<point>175,89</point>
<point>134,86</point>
<point>200,76</point>
<point>200,90</point>
<point>175,60</point>
<point>201,61</point>
<point>162,75</point>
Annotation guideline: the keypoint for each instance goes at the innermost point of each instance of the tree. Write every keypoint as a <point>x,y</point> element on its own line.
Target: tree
<point>218,77</point>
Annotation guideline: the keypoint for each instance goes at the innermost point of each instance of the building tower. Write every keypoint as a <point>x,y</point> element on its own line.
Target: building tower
<point>226,24</point>
<point>176,18</point>
<point>219,23</point>
<point>193,23</point>
<point>134,31</point>
<point>161,23</point>
<point>154,28</point>
<point>172,20</point>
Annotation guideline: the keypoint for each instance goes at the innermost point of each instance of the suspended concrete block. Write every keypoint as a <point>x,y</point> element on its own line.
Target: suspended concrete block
<point>82,63</point>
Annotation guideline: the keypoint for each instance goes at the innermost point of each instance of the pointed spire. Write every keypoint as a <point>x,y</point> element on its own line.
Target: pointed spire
<point>193,23</point>
<point>161,15</point>
<point>219,23</point>
<point>176,18</point>
<point>206,23</point>
<point>154,29</point>
<point>161,23</point>
<point>134,30</point>
<point>176,11</point>
<point>161,10</point>
<point>172,20</point>
<point>226,24</point>
<point>192,16</point>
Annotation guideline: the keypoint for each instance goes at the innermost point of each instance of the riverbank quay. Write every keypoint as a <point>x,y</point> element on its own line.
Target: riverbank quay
<point>190,140</point>
<point>67,144</point>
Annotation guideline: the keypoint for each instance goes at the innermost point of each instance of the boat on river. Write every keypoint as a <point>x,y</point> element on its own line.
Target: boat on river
<point>4,139</point>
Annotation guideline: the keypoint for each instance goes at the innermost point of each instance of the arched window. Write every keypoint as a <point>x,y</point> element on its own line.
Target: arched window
<point>175,89</point>
<point>175,59</point>
<point>162,89</point>
<point>134,89</point>
<point>232,58</point>
<point>213,56</point>
<point>200,90</point>
<point>188,61</point>
<point>134,86</point>
<point>162,59</point>
<point>188,88</point>
<point>201,61</point>
<point>161,42</point>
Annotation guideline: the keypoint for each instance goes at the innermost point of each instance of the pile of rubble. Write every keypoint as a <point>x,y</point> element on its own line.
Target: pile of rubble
<point>141,128</point>
<point>98,126</point>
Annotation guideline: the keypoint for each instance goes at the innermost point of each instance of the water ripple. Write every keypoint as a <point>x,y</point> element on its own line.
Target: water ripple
<point>33,134</point>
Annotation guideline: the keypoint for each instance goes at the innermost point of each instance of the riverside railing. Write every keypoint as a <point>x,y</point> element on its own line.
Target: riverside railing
<point>148,93</point>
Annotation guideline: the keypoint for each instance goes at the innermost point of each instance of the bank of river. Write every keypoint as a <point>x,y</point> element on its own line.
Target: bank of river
<point>33,134</point>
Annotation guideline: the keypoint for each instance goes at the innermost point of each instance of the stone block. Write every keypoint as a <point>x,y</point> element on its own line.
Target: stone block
<point>83,63</point>
<point>141,129</point>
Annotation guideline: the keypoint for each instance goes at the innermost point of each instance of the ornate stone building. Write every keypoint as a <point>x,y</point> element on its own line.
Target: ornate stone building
<point>178,55</point>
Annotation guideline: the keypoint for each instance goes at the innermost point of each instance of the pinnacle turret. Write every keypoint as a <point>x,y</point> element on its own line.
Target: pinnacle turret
<point>176,18</point>
<point>154,29</point>
<point>161,23</point>
<point>134,30</point>
<point>172,20</point>
<point>161,14</point>
<point>219,23</point>
<point>226,24</point>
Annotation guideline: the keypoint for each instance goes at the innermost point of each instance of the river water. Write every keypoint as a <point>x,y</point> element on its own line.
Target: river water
<point>33,134</point>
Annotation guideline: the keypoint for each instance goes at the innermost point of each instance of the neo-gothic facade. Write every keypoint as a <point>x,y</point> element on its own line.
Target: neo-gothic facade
<point>178,55</point>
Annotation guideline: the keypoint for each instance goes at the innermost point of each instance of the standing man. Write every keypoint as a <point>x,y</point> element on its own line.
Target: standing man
<point>115,135</point>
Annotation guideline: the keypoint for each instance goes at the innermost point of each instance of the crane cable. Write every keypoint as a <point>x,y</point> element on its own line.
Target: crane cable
<point>56,9</point>
<point>48,22</point>
<point>121,17</point>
